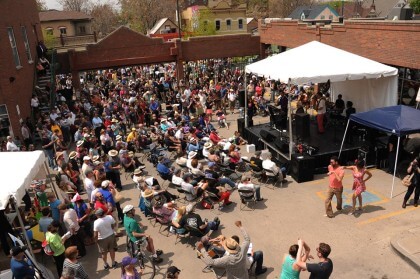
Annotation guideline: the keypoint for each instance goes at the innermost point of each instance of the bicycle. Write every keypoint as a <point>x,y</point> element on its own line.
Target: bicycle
<point>145,263</point>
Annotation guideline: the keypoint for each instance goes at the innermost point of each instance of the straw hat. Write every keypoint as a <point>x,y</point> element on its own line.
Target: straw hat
<point>231,246</point>
<point>79,143</point>
<point>208,145</point>
<point>95,158</point>
<point>58,154</point>
<point>113,153</point>
<point>119,137</point>
<point>133,129</point>
<point>114,120</point>
<point>148,193</point>
<point>137,171</point>
<point>86,158</point>
<point>192,154</point>
<point>72,155</point>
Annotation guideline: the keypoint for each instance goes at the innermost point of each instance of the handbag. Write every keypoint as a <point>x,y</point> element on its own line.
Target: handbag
<point>407,180</point>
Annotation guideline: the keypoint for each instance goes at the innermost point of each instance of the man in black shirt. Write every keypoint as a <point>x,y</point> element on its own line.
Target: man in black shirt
<point>321,270</point>
<point>194,220</point>
<point>339,104</point>
<point>256,160</point>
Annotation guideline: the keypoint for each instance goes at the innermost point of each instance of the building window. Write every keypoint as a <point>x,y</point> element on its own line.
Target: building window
<point>63,31</point>
<point>240,23</point>
<point>228,24</point>
<point>82,29</point>
<point>217,25</point>
<point>26,42</point>
<point>4,122</point>
<point>49,31</point>
<point>205,25</point>
<point>322,17</point>
<point>13,46</point>
<point>330,17</point>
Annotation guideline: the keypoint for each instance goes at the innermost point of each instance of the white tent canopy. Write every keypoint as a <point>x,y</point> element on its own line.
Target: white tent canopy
<point>367,83</point>
<point>18,169</point>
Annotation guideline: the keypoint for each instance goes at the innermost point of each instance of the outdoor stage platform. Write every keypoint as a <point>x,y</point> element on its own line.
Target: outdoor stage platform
<point>327,144</point>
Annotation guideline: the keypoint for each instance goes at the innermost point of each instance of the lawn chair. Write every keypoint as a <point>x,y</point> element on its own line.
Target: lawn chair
<point>247,197</point>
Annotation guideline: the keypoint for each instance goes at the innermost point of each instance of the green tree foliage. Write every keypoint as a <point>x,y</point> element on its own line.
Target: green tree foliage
<point>50,40</point>
<point>415,4</point>
<point>204,26</point>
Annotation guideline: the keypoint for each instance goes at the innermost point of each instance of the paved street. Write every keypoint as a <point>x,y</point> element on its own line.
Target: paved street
<point>360,244</point>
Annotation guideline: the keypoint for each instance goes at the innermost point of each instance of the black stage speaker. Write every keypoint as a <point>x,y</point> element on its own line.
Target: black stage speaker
<point>282,146</point>
<point>303,125</point>
<point>267,135</point>
<point>302,167</point>
<point>241,126</point>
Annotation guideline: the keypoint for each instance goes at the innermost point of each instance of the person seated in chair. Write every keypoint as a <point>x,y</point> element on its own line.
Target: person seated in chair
<point>194,221</point>
<point>247,185</point>
<point>268,164</point>
<point>164,209</point>
<point>256,160</point>
<point>191,191</point>
<point>215,175</point>
<point>197,170</point>
<point>163,169</point>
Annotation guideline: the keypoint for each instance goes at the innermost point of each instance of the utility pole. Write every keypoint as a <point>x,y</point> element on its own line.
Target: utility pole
<point>178,19</point>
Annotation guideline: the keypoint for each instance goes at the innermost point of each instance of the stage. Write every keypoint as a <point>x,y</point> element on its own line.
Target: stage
<point>328,144</point>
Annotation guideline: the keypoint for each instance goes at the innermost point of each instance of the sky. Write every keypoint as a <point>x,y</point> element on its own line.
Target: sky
<point>53,4</point>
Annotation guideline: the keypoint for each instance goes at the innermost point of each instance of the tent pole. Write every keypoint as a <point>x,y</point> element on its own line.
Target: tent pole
<point>246,102</point>
<point>49,175</point>
<point>395,166</point>
<point>22,226</point>
<point>344,137</point>
<point>289,114</point>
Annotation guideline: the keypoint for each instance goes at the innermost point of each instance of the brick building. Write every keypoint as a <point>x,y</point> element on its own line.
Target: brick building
<point>18,39</point>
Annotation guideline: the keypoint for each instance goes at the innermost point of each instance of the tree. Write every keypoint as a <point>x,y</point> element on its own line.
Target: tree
<point>41,5</point>
<point>283,8</point>
<point>105,18</point>
<point>203,25</point>
<point>415,4</point>
<point>142,15</point>
<point>75,5</point>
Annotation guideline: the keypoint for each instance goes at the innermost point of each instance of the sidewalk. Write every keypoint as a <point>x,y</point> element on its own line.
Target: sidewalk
<point>406,245</point>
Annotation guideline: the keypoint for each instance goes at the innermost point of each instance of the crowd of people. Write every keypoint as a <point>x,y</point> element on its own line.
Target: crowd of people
<point>125,115</point>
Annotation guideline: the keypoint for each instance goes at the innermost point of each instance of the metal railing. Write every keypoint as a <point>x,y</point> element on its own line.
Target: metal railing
<point>53,95</point>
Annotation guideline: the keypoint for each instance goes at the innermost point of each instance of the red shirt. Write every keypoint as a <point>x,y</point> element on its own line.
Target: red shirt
<point>98,205</point>
<point>334,183</point>
<point>214,138</point>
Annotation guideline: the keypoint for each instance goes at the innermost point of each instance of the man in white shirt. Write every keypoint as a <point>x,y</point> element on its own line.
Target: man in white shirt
<point>247,185</point>
<point>89,186</point>
<point>72,225</point>
<point>11,146</point>
<point>54,114</point>
<point>321,110</point>
<point>103,233</point>
<point>270,165</point>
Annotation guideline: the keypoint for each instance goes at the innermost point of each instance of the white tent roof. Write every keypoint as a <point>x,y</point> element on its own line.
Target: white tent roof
<point>17,171</point>
<point>318,62</point>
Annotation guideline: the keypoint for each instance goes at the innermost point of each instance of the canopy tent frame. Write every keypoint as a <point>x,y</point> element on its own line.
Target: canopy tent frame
<point>398,120</point>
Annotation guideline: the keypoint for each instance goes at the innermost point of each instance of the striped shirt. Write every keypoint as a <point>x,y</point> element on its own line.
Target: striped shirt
<point>79,271</point>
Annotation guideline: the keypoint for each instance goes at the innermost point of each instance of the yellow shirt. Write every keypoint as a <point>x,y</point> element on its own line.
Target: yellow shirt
<point>131,136</point>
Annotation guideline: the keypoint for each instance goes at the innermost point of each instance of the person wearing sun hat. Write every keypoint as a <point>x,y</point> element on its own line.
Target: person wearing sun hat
<point>136,234</point>
<point>234,261</point>
<point>128,268</point>
<point>114,165</point>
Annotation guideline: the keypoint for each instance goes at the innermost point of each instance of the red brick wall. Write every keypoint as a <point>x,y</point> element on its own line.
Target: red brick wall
<point>126,47</point>
<point>17,13</point>
<point>390,42</point>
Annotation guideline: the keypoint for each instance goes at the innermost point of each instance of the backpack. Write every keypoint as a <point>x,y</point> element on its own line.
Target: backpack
<point>47,248</point>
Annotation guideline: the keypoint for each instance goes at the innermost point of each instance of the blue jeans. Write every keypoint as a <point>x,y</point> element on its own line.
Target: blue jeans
<point>50,155</point>
<point>257,192</point>
<point>224,180</point>
<point>211,226</point>
<point>258,259</point>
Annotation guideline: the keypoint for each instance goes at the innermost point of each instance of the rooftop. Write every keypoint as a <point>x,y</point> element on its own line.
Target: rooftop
<point>54,15</point>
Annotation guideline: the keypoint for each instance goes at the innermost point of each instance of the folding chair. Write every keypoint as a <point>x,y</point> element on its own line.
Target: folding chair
<point>182,198</point>
<point>159,219</point>
<point>179,236</point>
<point>247,197</point>
<point>213,199</point>
<point>165,179</point>
<point>256,173</point>
<point>271,178</point>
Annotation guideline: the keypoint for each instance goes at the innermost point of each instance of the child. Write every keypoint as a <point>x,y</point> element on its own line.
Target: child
<point>221,118</point>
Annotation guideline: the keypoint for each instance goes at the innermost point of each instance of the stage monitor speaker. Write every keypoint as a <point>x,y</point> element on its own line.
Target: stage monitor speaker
<point>241,99</point>
<point>302,167</point>
<point>267,135</point>
<point>282,146</point>
<point>241,126</point>
<point>303,125</point>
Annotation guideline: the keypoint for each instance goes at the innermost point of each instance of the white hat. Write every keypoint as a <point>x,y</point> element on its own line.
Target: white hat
<point>137,171</point>
<point>113,153</point>
<point>95,158</point>
<point>118,137</point>
<point>192,154</point>
<point>105,184</point>
<point>208,145</point>
<point>86,158</point>
<point>79,143</point>
<point>127,208</point>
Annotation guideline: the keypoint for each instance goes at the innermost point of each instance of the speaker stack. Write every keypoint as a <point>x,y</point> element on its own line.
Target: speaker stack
<point>303,125</point>
<point>267,136</point>
<point>302,167</point>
